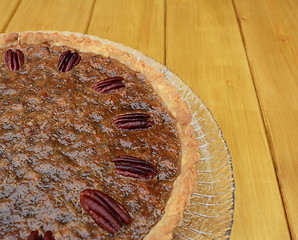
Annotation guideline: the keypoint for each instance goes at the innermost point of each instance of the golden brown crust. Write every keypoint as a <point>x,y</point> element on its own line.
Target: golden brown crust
<point>9,39</point>
<point>184,185</point>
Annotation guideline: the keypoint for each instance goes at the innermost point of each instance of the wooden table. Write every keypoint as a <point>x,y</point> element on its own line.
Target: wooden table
<point>239,56</point>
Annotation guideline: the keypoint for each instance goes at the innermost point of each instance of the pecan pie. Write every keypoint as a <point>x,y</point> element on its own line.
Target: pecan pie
<point>94,143</point>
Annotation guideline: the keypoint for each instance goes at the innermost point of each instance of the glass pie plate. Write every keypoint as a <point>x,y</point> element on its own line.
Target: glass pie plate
<point>210,214</point>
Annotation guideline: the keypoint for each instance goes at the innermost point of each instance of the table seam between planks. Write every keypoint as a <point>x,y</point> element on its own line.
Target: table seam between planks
<point>90,17</point>
<point>267,131</point>
<point>11,16</point>
<point>165,33</point>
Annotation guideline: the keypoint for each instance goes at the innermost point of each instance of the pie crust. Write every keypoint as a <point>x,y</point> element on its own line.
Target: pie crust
<point>184,185</point>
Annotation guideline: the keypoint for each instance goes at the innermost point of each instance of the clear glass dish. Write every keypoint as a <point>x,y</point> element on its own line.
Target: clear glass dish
<point>210,214</point>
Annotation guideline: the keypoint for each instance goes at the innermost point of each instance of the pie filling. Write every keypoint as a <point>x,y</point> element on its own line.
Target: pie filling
<point>80,132</point>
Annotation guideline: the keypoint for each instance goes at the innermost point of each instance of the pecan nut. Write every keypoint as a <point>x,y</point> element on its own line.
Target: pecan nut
<point>108,85</point>
<point>68,61</point>
<point>133,121</point>
<point>14,60</point>
<point>105,211</point>
<point>47,236</point>
<point>34,236</point>
<point>129,166</point>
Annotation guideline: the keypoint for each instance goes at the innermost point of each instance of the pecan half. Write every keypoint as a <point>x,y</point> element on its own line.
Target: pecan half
<point>129,166</point>
<point>47,236</point>
<point>105,211</point>
<point>108,85</point>
<point>133,121</point>
<point>34,236</point>
<point>68,61</point>
<point>14,60</point>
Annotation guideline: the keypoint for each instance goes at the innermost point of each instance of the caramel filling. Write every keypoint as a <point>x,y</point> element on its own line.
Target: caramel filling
<point>58,137</point>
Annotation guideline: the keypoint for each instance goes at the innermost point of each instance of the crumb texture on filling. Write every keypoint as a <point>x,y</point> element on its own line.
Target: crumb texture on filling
<point>57,138</point>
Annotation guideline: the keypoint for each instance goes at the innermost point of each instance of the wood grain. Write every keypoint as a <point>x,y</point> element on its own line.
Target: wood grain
<point>51,15</point>
<point>7,9</point>
<point>135,23</point>
<point>270,32</point>
<point>204,47</point>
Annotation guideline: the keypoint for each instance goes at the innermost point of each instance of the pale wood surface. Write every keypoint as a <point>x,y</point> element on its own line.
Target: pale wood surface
<point>209,55</point>
<point>201,41</point>
<point>270,30</point>
<point>66,15</point>
<point>135,23</point>
<point>7,8</point>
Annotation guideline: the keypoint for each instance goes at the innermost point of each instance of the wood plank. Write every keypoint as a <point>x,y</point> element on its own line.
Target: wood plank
<point>271,36</point>
<point>136,23</point>
<point>51,15</point>
<point>204,47</point>
<point>7,9</point>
